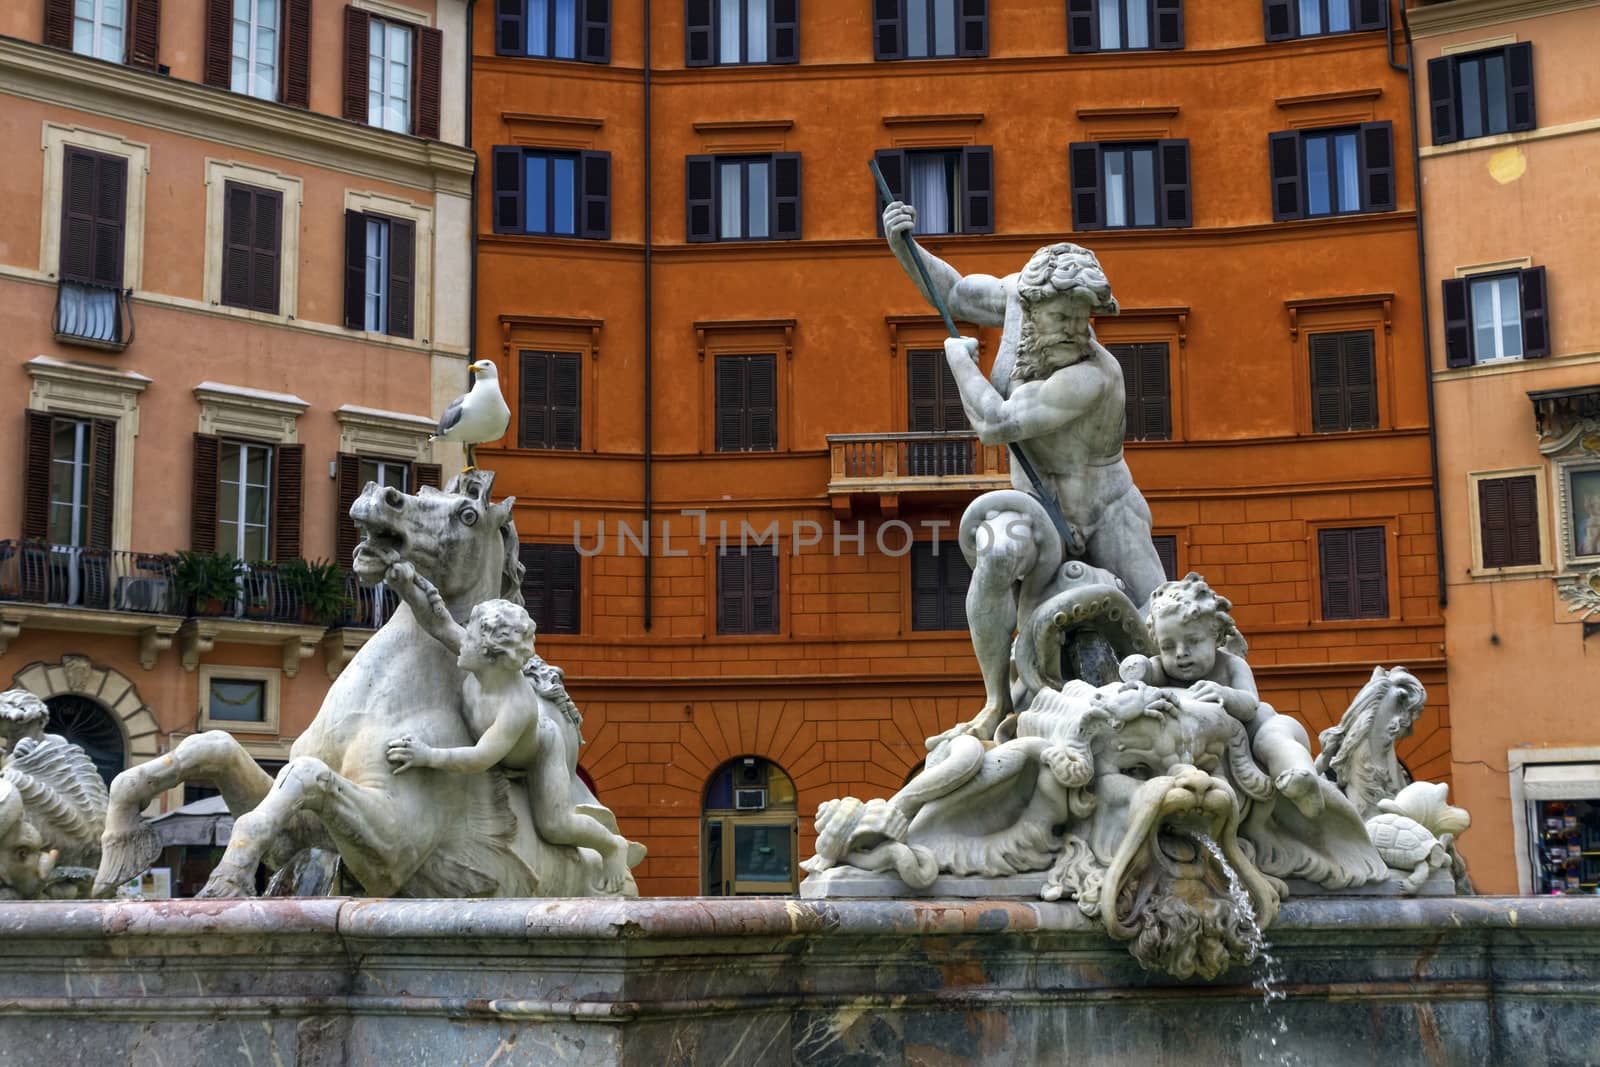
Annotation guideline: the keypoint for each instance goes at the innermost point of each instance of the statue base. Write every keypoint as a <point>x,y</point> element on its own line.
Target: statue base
<point>848,883</point>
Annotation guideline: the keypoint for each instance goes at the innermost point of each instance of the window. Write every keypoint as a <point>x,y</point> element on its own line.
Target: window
<point>388,473</point>
<point>939,586</point>
<point>244,500</point>
<point>747,403</point>
<point>1142,183</point>
<point>1113,25</point>
<point>1146,389</point>
<point>1167,553</point>
<point>255,48</point>
<point>70,463</point>
<point>753,198</point>
<point>70,467</point>
<point>553,194</point>
<point>237,700</point>
<point>741,31</point>
<point>549,409</point>
<point>550,587</point>
<point>1344,381</point>
<point>252,223</point>
<point>1481,93</point>
<point>929,29</point>
<point>1355,573</point>
<point>93,216</point>
<point>951,188</point>
<point>98,27</point>
<point>247,498</point>
<point>935,408</point>
<point>379,283</point>
<point>554,29</point>
<point>88,724</point>
<point>747,590</point>
<point>1508,521</point>
<point>392,73</point>
<point>1332,172</point>
<point>1489,317</point>
<point>389,75</point>
<point>1314,18</point>
<point>749,831</point>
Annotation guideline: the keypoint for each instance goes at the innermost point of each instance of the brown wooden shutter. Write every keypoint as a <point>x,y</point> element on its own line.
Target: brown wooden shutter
<point>357,50</point>
<point>564,605</point>
<point>957,577</point>
<point>1519,86</point>
<point>977,189</point>
<point>238,211</point>
<point>1083,26</point>
<point>1283,150</point>
<point>566,395</point>
<point>355,270</point>
<point>102,481</point>
<point>1371,572</point>
<point>922,390</point>
<point>1523,500</point>
<point>252,232</point>
<point>1508,521</point>
<point>36,478</point>
<point>700,198</point>
<point>1338,574</point>
<point>533,400</point>
<point>972,29</point>
<point>1166,546</point>
<point>346,535</point>
<point>1535,315</point>
<point>926,595</point>
<point>594,31</point>
<point>1084,168</point>
<point>594,204</point>
<point>509,216</point>
<point>1376,143</point>
<point>93,205</point>
<point>733,584</point>
<point>786,196</point>
<point>1280,19</point>
<point>402,271</point>
<point>1173,161</point>
<point>761,403</point>
<point>1327,384</point>
<point>58,23</point>
<point>218,62</point>
<point>1167,31</point>
<point>203,506</point>
<point>295,82</point>
<point>1155,402</point>
<point>783,31</point>
<point>288,487</point>
<point>1457,324</point>
<point>699,35</point>
<point>888,39</point>
<point>430,58</point>
<point>731,401</point>
<point>426,474</point>
<point>535,583</point>
<point>892,164</point>
<point>144,34</point>
<point>763,569</point>
<point>1360,380</point>
<point>1442,99</point>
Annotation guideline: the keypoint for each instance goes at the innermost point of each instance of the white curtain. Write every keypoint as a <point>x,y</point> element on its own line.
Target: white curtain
<point>930,193</point>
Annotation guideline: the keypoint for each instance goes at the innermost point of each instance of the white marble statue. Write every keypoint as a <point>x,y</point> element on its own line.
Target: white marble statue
<point>427,832</point>
<point>52,805</point>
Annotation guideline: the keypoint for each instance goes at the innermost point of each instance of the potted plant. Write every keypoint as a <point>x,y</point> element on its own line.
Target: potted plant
<point>318,585</point>
<point>208,581</point>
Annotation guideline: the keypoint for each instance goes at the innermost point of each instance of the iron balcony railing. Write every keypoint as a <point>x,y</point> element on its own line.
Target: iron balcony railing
<point>100,316</point>
<point>44,573</point>
<point>880,459</point>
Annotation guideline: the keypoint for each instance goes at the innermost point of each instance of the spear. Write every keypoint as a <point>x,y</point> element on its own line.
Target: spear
<point>1047,499</point>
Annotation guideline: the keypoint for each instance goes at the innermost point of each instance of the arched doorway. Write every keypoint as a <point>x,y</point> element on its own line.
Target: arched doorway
<point>89,725</point>
<point>749,831</point>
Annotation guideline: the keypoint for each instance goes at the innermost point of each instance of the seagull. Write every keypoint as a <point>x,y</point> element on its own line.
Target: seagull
<point>478,415</point>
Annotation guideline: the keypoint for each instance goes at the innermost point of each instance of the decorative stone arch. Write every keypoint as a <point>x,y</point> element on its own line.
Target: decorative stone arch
<point>77,675</point>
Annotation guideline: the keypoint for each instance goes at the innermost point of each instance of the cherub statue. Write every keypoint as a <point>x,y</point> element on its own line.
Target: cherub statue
<point>52,805</point>
<point>1199,649</point>
<point>519,711</point>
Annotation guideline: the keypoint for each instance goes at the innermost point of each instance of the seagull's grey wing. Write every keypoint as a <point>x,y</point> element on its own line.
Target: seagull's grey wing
<point>452,415</point>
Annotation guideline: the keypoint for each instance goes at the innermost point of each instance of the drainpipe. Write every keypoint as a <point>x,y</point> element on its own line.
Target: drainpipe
<point>649,331</point>
<point>1427,314</point>
<point>472,210</point>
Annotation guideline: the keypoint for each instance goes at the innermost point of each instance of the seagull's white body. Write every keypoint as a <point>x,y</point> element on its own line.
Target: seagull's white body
<point>478,415</point>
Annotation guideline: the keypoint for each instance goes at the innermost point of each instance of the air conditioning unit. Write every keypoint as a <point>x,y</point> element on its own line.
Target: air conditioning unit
<point>749,799</point>
<point>143,594</point>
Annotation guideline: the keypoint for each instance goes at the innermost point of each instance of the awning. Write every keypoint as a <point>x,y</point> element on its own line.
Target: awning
<point>203,822</point>
<point>1561,781</point>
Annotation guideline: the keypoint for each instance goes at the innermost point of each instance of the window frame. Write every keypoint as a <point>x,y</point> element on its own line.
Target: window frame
<point>420,219</point>
<point>547,626</point>
<point>1369,175</point>
<point>1289,11</point>
<point>1498,278</point>
<point>96,21</point>
<point>945,555</point>
<point>378,24</point>
<point>746,411</point>
<point>1344,421</point>
<point>82,470</point>
<point>703,174</point>
<point>271,697</point>
<point>891,42</point>
<point>1138,402</point>
<point>508,189</point>
<point>1546,562</point>
<point>218,174</point>
<point>1167,189</point>
<point>549,435</point>
<point>252,27</point>
<point>746,623</point>
<point>1446,96</point>
<point>1319,585</point>
<point>240,521</point>
<point>512,19</point>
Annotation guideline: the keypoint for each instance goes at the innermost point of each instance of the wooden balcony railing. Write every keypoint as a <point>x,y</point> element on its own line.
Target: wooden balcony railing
<point>911,462</point>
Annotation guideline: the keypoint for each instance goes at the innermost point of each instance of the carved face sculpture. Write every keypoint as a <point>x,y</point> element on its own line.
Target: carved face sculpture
<point>1053,335</point>
<point>453,539</point>
<point>21,715</point>
<point>1188,647</point>
<point>24,865</point>
<point>499,633</point>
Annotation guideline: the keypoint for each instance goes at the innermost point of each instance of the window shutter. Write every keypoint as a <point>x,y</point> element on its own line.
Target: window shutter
<point>1327,381</point>
<point>783,31</point>
<point>957,577</point>
<point>1371,572</point>
<point>102,481</point>
<point>1166,546</point>
<point>1155,415</point>
<point>952,417</point>
<point>219,44</point>
<point>700,198</point>
<point>111,185</point>
<point>565,394</point>
<point>144,34</point>
<point>1083,26</point>
<point>1168,24</point>
<point>1519,85</point>
<point>731,402</point>
<point>1084,166</point>
<point>357,50</point>
<point>426,474</point>
<point>733,582</point>
<point>761,403</point>
<point>92,206</point>
<point>295,87</point>
<point>238,213</point>
<point>1280,19</point>
<point>594,35</point>
<point>926,594</point>
<point>892,164</point>
<point>402,276</point>
<point>763,566</point>
<point>922,389</point>
<point>36,478</point>
<point>355,270</point>
<point>1457,324</point>
<point>289,477</point>
<point>535,580</point>
<point>1283,149</point>
<point>1360,381</point>
<point>564,607</point>
<point>346,536</point>
<point>533,400</point>
<point>1173,157</point>
<point>699,35</point>
<point>977,189</point>
<point>972,28</point>
<point>58,23</point>
<point>1369,14</point>
<point>510,29</point>
<point>594,217</point>
<point>1522,499</point>
<point>1442,99</point>
<point>430,58</point>
<point>786,196</point>
<point>1377,166</point>
<point>888,40</point>
<point>1494,523</point>
<point>1535,315</point>
<point>203,505</point>
<point>266,226</point>
<point>508,214</point>
<point>1338,575</point>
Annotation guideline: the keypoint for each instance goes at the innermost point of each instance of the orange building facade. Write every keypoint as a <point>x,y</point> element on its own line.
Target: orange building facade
<point>1508,113</point>
<point>698,328</point>
<point>195,358</point>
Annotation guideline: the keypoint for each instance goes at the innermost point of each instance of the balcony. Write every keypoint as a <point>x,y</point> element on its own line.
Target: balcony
<point>934,466</point>
<point>93,316</point>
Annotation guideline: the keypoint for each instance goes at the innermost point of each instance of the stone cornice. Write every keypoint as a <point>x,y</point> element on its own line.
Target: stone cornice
<point>1438,19</point>
<point>55,76</point>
